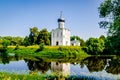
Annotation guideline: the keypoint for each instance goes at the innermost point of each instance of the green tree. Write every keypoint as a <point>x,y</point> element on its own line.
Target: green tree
<point>102,37</point>
<point>26,41</point>
<point>17,40</point>
<point>94,46</point>
<point>33,35</point>
<point>5,43</point>
<point>110,11</point>
<point>41,47</point>
<point>16,47</point>
<point>43,37</point>
<point>1,41</point>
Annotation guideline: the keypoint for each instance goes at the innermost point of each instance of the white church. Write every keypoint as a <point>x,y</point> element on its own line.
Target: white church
<point>61,35</point>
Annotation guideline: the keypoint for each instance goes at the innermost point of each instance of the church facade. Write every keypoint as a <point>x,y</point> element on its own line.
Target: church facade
<point>61,35</point>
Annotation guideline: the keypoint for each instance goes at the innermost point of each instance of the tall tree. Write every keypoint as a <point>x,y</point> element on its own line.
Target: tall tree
<point>110,11</point>
<point>33,35</point>
<point>43,37</point>
<point>26,41</point>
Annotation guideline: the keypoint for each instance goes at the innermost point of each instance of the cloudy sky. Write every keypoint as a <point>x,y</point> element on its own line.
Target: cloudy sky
<point>81,16</point>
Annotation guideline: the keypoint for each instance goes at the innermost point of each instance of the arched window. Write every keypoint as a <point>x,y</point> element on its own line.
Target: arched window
<point>57,43</point>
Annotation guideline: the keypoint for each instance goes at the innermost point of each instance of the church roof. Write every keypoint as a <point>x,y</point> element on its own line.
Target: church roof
<point>61,19</point>
<point>75,41</point>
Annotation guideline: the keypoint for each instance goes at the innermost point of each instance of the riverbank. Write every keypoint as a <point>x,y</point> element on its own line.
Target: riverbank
<point>51,51</point>
<point>9,76</point>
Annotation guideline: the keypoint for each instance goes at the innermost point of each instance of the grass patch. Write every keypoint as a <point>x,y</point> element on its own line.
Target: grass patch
<point>51,51</point>
<point>9,76</point>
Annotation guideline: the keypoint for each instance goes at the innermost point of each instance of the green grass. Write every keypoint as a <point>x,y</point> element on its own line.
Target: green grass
<point>51,51</point>
<point>10,76</point>
<point>13,76</point>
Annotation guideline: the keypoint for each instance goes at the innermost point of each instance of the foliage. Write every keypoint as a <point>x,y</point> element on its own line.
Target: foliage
<point>102,37</point>
<point>17,47</point>
<point>71,51</point>
<point>13,40</point>
<point>9,76</point>
<point>110,11</point>
<point>5,43</point>
<point>43,37</point>
<point>41,47</point>
<point>26,41</point>
<point>112,45</point>
<point>37,37</point>
<point>33,35</point>
<point>94,46</point>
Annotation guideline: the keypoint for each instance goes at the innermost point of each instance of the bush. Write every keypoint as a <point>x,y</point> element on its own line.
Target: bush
<point>94,46</point>
<point>17,47</point>
<point>5,43</point>
<point>41,47</point>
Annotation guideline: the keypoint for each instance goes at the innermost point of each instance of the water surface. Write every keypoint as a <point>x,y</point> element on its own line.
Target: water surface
<point>95,67</point>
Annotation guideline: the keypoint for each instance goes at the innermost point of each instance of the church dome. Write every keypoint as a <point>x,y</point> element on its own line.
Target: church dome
<point>61,20</point>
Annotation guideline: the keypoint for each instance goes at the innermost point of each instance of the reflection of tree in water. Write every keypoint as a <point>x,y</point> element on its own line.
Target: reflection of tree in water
<point>95,63</point>
<point>5,58</point>
<point>114,66</point>
<point>38,65</point>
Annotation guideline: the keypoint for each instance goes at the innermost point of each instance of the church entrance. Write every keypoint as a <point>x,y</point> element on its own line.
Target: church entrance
<point>57,43</point>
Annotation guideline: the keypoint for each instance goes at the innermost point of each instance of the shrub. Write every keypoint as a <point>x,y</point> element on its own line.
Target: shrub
<point>5,43</point>
<point>17,47</point>
<point>41,47</point>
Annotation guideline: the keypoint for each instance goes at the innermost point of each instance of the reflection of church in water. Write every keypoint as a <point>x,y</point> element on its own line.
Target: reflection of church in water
<point>64,68</point>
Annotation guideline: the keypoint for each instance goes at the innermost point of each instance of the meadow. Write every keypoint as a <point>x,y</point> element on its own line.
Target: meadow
<point>51,51</point>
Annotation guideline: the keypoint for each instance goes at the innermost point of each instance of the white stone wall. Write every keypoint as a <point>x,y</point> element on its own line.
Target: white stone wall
<point>66,37</point>
<point>62,36</point>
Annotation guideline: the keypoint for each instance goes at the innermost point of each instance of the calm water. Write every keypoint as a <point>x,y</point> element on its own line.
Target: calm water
<point>93,67</point>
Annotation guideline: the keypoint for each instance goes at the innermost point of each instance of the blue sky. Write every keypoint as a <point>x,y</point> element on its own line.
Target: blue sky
<point>81,16</point>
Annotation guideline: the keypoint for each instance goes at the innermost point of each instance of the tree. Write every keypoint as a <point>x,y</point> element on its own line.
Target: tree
<point>43,37</point>
<point>26,41</point>
<point>102,37</point>
<point>17,40</point>
<point>1,41</point>
<point>41,47</point>
<point>33,35</point>
<point>110,11</point>
<point>5,43</point>
<point>94,46</point>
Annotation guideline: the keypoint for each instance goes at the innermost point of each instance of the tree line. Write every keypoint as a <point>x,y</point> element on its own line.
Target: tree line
<point>35,37</point>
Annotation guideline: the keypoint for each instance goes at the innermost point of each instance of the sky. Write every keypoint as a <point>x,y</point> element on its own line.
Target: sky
<point>81,16</point>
